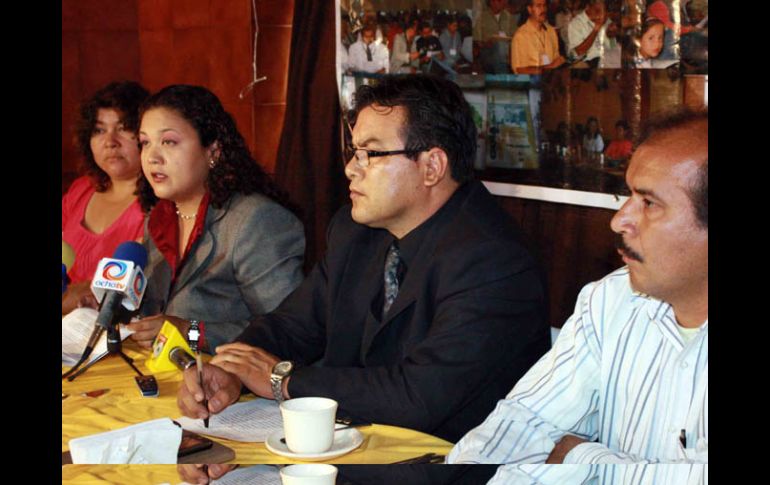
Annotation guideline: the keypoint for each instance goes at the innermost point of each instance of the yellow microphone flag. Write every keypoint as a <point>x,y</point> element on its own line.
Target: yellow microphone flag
<point>168,338</point>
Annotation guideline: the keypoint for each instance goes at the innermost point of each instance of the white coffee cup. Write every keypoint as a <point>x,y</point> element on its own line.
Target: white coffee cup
<point>308,424</point>
<point>310,474</point>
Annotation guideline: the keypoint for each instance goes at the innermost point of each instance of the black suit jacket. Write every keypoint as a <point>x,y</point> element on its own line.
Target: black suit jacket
<point>467,323</point>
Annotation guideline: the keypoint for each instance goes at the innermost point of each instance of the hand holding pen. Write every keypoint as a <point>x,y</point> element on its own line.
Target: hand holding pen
<point>194,335</point>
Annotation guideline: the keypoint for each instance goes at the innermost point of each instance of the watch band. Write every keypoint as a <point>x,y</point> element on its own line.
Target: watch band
<point>194,335</point>
<point>276,382</point>
<point>279,372</point>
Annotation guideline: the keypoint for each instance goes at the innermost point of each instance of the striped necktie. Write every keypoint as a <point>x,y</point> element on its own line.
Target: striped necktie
<point>391,276</point>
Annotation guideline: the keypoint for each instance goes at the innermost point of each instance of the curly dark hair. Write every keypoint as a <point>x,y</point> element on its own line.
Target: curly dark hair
<point>235,169</point>
<point>123,96</point>
<point>437,115</point>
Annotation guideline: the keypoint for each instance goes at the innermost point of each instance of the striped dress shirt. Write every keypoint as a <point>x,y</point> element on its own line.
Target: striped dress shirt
<point>619,375</point>
<point>603,473</point>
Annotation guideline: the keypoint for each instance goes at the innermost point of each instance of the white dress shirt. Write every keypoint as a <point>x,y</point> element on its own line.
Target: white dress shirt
<point>610,474</point>
<point>358,61</point>
<point>579,29</point>
<point>619,375</point>
<point>593,145</point>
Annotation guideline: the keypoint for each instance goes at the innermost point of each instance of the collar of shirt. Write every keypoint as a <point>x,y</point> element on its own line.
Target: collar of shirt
<point>164,230</point>
<point>588,24</point>
<point>528,26</point>
<point>663,314</point>
<point>410,244</point>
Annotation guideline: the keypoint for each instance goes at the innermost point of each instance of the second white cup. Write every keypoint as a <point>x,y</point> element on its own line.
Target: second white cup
<point>308,424</point>
<point>311,474</point>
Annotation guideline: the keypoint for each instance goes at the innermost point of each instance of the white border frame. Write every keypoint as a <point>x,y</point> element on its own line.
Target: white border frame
<point>562,196</point>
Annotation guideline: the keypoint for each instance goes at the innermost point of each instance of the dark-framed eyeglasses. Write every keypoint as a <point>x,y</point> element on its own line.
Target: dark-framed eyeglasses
<point>363,156</point>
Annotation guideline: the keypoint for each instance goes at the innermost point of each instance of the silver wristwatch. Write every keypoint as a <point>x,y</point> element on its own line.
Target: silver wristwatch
<point>280,371</point>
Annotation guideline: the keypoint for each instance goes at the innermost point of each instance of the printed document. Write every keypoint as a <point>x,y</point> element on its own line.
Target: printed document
<point>250,422</point>
<point>76,329</point>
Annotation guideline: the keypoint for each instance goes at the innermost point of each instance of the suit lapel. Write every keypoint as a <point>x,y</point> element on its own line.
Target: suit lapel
<point>373,275</point>
<point>202,250</point>
<point>411,288</point>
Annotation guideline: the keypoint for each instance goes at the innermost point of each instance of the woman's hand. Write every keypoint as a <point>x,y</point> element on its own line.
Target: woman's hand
<point>78,295</point>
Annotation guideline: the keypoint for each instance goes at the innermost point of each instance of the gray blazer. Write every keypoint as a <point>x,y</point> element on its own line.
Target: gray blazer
<point>246,261</point>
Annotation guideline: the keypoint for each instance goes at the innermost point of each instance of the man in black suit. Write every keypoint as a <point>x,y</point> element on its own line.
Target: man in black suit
<point>426,308</point>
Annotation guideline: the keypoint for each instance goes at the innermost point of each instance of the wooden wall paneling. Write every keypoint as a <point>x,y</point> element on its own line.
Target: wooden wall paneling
<point>574,100</point>
<point>230,62</point>
<point>231,13</point>
<point>190,13</point>
<point>631,100</point>
<point>575,244</point>
<point>272,57</point>
<point>111,56</point>
<point>106,15</point>
<point>99,45</point>
<point>664,91</point>
<point>275,12</point>
<point>155,14</point>
<point>71,92</point>
<point>266,136</point>
<point>157,57</point>
<point>269,96</point>
<point>694,91</point>
<point>190,62</point>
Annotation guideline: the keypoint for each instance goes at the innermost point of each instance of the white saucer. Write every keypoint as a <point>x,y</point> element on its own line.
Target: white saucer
<point>345,441</point>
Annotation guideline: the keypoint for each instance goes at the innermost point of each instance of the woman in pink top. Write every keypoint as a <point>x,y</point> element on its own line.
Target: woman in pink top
<point>100,210</point>
<point>619,150</point>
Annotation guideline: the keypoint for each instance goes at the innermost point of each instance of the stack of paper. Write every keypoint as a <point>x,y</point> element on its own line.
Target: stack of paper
<point>250,422</point>
<point>76,329</point>
<point>249,475</point>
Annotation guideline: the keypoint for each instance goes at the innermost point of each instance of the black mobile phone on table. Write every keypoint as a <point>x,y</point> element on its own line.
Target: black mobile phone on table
<point>148,386</point>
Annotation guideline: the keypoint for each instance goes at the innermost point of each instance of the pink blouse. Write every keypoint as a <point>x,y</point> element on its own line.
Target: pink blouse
<point>90,248</point>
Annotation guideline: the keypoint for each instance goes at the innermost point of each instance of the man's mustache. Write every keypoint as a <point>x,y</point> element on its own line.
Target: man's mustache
<point>628,252</point>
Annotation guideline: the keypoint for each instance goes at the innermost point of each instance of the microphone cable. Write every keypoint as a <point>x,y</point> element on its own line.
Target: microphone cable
<point>96,334</point>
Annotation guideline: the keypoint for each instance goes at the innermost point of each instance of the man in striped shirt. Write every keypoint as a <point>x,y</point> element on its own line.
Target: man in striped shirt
<point>627,378</point>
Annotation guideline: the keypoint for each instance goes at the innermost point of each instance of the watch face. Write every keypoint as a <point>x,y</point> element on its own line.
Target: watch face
<point>283,368</point>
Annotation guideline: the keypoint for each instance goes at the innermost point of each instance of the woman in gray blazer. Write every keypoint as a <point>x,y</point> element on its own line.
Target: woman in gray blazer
<point>223,243</point>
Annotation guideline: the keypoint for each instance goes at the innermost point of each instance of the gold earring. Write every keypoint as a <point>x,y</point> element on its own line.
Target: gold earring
<point>212,163</point>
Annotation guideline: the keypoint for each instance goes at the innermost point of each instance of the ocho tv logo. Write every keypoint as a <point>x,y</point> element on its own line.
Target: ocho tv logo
<point>114,271</point>
<point>139,283</point>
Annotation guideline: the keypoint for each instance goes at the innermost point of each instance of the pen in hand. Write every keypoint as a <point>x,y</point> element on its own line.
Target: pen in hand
<point>199,365</point>
<point>194,335</point>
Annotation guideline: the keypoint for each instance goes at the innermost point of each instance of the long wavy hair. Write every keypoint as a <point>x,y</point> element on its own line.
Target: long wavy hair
<point>235,170</point>
<point>587,133</point>
<point>125,97</point>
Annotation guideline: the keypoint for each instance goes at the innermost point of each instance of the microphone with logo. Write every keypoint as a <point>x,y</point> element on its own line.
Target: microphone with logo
<point>118,281</point>
<point>67,260</point>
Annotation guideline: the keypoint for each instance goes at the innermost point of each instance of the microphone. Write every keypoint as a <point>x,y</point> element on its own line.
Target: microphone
<point>67,260</point>
<point>119,280</point>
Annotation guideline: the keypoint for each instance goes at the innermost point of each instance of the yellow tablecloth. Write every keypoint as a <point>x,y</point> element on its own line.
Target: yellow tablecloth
<point>123,405</point>
<point>120,474</point>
